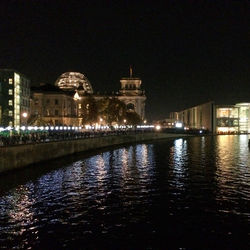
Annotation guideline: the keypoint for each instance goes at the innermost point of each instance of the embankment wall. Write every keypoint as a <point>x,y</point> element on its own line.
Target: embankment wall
<point>18,156</point>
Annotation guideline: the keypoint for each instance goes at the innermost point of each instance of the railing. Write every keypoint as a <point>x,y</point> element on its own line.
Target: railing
<point>51,136</point>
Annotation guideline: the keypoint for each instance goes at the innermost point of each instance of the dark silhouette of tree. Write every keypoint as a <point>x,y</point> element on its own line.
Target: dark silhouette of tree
<point>112,110</point>
<point>133,118</point>
<point>89,111</point>
<point>5,118</point>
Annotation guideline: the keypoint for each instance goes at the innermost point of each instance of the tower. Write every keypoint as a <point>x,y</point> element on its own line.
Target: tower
<point>132,94</point>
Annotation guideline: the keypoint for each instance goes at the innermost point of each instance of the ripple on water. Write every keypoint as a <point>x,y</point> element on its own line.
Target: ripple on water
<point>143,196</point>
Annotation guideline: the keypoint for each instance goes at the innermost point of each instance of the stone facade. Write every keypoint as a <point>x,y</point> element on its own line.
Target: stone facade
<point>62,104</point>
<point>50,105</point>
<point>132,95</point>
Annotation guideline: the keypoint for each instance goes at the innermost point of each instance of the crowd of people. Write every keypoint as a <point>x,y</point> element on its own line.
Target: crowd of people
<point>9,139</point>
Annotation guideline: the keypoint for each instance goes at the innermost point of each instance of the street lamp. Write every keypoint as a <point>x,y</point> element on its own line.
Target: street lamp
<point>24,116</point>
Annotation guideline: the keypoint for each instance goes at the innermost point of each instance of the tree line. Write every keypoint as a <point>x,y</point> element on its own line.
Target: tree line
<point>109,110</point>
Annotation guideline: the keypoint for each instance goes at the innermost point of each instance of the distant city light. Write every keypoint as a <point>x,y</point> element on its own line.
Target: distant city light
<point>178,125</point>
<point>158,127</point>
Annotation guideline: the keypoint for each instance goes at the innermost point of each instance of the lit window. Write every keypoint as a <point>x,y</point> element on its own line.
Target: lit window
<point>10,81</point>
<point>10,102</point>
<point>10,91</point>
<point>79,106</point>
<point>10,113</point>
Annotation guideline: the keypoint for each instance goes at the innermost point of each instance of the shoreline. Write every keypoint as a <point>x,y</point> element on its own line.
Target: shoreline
<point>19,156</point>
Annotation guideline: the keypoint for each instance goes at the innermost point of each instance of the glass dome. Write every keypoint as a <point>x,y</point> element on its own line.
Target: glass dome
<point>72,81</point>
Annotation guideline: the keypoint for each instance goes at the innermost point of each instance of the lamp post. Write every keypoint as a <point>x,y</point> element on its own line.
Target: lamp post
<point>24,118</point>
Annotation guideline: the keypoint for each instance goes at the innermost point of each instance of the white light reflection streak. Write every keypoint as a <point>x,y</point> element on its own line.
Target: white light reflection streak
<point>179,159</point>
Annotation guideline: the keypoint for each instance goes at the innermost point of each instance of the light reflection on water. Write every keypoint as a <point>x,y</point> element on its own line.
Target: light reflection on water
<point>138,196</point>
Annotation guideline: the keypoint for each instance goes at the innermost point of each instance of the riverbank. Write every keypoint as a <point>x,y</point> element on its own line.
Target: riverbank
<point>19,156</point>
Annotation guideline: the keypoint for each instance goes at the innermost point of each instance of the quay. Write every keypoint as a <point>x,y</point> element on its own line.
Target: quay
<point>18,156</point>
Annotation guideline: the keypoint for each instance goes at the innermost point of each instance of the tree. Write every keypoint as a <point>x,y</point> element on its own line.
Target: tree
<point>89,110</point>
<point>133,118</point>
<point>112,110</point>
<point>5,118</point>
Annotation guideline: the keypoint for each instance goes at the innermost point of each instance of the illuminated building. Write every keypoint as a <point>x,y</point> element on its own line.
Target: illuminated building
<point>132,94</point>
<point>72,81</point>
<point>14,98</point>
<point>63,104</point>
<point>218,119</point>
<point>52,106</point>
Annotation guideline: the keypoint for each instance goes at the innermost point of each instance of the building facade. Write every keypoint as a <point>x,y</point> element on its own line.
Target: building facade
<point>52,106</point>
<point>65,103</point>
<point>217,119</point>
<point>132,95</point>
<point>14,98</point>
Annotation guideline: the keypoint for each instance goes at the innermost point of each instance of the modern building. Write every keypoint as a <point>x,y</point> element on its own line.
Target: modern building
<point>217,119</point>
<point>14,98</point>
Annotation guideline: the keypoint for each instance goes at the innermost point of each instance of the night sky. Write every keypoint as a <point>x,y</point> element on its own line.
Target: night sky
<point>185,52</point>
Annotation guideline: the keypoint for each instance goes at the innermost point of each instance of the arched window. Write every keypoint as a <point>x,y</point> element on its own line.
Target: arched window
<point>130,106</point>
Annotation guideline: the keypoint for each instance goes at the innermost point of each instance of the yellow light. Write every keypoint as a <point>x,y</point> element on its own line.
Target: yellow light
<point>158,127</point>
<point>25,114</point>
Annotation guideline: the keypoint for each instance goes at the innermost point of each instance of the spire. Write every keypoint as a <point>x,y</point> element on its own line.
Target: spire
<point>130,71</point>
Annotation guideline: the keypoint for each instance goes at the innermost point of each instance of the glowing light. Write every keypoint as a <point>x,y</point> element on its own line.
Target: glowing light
<point>25,114</point>
<point>178,125</point>
<point>158,127</point>
<point>76,96</point>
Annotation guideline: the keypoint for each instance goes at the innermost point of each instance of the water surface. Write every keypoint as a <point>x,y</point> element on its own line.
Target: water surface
<point>183,193</point>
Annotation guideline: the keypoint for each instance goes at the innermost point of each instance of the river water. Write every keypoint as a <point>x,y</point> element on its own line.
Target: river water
<point>191,193</point>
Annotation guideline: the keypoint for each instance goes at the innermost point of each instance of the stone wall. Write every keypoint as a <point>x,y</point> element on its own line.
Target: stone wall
<point>22,155</point>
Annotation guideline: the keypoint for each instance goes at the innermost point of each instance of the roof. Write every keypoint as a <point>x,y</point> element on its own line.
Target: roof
<point>48,88</point>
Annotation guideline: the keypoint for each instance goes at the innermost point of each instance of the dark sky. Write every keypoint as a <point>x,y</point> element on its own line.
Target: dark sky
<point>186,52</point>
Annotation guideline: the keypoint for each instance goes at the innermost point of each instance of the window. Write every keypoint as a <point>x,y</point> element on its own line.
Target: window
<point>130,106</point>
<point>56,102</point>
<point>36,101</point>
<point>56,112</point>
<point>79,106</point>
<point>10,81</point>
<point>10,91</point>
<point>10,102</point>
<point>10,113</point>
